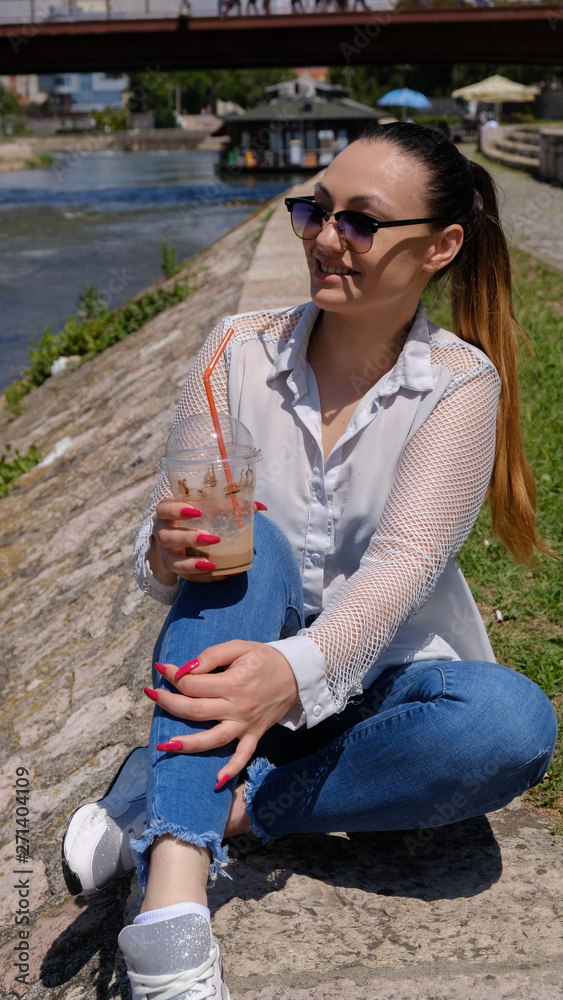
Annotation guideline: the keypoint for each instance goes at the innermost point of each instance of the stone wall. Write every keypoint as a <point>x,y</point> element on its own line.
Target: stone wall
<point>77,633</point>
<point>551,154</point>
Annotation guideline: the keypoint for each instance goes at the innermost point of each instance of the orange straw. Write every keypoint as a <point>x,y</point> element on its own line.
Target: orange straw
<point>215,419</point>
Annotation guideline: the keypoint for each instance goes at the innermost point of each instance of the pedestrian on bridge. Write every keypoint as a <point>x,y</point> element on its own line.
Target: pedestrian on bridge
<point>347,677</point>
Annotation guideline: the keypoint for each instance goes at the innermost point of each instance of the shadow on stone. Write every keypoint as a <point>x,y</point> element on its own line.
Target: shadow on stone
<point>91,940</point>
<point>449,862</point>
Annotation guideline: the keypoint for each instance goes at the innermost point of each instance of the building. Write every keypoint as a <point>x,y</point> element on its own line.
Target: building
<point>82,93</point>
<point>25,88</point>
<point>301,125</point>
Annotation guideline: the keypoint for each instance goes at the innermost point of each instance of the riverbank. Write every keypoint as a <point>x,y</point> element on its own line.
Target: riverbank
<point>16,154</point>
<point>99,217</point>
<point>469,910</point>
<point>71,618</point>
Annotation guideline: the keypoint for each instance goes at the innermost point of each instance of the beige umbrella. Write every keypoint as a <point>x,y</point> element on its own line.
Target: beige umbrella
<point>495,90</point>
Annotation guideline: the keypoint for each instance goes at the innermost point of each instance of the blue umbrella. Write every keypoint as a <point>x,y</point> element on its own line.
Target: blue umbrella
<point>405,98</point>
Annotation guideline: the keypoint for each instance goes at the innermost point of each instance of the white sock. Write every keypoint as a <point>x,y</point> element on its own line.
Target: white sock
<point>169,912</point>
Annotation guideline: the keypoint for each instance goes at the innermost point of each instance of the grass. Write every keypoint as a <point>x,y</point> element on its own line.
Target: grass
<point>530,637</point>
<point>475,154</point>
<point>257,235</point>
<point>41,160</point>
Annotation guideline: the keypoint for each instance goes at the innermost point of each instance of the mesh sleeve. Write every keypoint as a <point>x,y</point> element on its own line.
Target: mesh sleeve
<point>271,326</point>
<point>440,486</point>
<point>193,400</point>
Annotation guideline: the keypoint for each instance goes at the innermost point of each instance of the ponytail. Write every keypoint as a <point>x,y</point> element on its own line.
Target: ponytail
<point>482,313</point>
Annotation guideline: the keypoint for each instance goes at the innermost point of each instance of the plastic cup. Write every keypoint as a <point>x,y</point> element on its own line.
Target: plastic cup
<point>222,489</point>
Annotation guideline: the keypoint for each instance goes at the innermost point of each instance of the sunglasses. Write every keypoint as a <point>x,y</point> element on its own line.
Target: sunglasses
<point>355,230</point>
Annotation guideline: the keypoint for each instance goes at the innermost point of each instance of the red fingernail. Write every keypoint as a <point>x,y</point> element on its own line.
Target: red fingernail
<point>260,506</point>
<point>186,669</point>
<point>170,745</point>
<point>223,781</point>
<point>205,564</point>
<point>190,512</point>
<point>151,694</point>
<point>204,539</point>
<point>160,668</point>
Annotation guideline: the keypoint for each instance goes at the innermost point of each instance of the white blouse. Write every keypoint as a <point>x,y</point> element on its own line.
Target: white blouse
<point>375,529</point>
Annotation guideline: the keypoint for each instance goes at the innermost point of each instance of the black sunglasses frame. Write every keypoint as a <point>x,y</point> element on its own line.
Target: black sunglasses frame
<point>373,224</point>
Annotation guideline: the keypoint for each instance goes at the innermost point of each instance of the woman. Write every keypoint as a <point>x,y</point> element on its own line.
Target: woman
<point>354,629</point>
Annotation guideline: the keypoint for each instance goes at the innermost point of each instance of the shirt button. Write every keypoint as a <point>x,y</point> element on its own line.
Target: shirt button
<point>320,494</point>
<point>317,710</point>
<point>315,559</point>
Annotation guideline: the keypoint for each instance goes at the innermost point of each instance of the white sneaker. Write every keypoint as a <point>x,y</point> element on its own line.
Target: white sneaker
<point>175,959</point>
<point>95,849</point>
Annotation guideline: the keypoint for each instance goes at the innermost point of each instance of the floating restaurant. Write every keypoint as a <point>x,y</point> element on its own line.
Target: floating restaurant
<point>301,125</point>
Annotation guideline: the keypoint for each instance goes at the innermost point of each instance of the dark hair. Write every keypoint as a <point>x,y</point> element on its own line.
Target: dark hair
<point>460,191</point>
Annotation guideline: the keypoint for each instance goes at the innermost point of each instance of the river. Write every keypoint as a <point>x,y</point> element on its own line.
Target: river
<point>98,217</point>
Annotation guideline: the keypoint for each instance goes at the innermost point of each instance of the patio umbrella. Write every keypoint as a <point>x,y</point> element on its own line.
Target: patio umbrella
<point>496,90</point>
<point>405,98</point>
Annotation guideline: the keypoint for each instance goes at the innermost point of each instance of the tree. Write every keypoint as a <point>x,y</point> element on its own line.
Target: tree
<point>200,87</point>
<point>8,103</point>
<point>369,83</point>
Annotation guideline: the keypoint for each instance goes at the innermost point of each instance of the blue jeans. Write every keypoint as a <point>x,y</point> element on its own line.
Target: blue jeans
<point>429,743</point>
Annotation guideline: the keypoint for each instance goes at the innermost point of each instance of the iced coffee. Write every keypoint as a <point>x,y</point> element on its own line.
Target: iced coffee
<point>222,488</point>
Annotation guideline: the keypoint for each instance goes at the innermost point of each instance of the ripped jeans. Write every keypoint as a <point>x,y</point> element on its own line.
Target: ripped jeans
<point>429,743</point>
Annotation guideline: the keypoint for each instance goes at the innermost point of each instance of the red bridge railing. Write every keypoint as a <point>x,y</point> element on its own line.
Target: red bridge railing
<point>49,11</point>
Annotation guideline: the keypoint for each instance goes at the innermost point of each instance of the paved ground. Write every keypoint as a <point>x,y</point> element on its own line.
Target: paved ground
<point>469,912</point>
<point>278,275</point>
<point>531,211</point>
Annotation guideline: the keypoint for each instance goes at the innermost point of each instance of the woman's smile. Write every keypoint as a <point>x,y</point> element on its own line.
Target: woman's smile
<point>324,269</point>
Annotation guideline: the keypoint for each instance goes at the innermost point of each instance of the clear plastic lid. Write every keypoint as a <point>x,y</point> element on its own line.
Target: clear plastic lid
<point>195,440</point>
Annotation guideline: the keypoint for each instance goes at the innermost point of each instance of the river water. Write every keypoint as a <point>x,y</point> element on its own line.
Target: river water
<point>98,217</point>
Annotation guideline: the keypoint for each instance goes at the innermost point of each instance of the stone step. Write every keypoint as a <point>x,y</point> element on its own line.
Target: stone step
<point>530,128</point>
<point>527,138</point>
<point>519,148</point>
<point>512,160</point>
<point>493,150</point>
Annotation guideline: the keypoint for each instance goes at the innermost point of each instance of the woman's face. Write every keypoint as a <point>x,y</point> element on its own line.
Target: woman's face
<point>379,180</point>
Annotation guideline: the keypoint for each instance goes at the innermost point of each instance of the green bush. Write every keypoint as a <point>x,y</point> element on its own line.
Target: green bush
<point>435,121</point>
<point>91,302</point>
<point>168,259</point>
<point>111,119</point>
<point>14,395</point>
<point>88,332</point>
<point>13,465</point>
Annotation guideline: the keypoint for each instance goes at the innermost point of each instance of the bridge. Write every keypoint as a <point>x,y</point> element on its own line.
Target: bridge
<point>37,36</point>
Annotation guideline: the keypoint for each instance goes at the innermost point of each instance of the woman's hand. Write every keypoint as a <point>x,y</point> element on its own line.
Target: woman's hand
<point>255,691</point>
<point>175,530</point>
